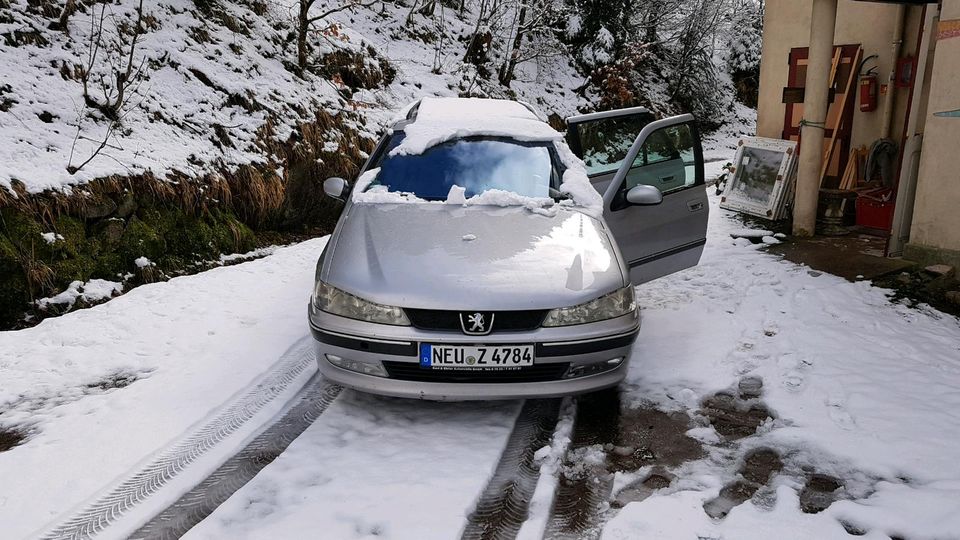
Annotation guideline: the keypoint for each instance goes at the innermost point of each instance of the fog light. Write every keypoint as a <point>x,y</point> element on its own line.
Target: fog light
<point>592,369</point>
<point>367,368</point>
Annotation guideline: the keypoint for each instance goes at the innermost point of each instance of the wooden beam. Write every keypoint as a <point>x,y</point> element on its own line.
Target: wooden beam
<point>828,152</point>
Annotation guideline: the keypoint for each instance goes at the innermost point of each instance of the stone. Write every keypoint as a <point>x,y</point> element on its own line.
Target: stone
<point>127,207</point>
<point>97,207</point>
<point>112,231</point>
<point>940,269</point>
<point>953,297</point>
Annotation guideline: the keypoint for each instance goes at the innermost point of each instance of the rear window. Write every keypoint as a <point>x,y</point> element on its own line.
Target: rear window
<point>476,164</point>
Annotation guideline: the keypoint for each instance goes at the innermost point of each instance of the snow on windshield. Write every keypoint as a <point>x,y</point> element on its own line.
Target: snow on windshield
<point>441,120</point>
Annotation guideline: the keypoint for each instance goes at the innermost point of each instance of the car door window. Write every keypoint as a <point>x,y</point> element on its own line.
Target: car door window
<point>667,160</point>
<point>602,143</point>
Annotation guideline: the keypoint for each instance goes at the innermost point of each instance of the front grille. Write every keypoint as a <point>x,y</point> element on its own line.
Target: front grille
<point>503,321</point>
<point>411,371</point>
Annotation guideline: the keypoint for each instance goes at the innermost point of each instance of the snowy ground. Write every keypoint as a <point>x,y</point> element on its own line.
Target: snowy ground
<point>859,388</point>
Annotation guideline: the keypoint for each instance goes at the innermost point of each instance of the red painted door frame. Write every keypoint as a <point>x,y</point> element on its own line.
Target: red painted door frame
<point>846,125</point>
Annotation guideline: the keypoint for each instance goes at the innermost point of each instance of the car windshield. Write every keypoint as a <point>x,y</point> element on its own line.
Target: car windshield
<point>476,164</point>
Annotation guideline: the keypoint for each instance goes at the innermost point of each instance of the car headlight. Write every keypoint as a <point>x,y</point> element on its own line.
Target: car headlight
<point>615,304</point>
<point>333,300</point>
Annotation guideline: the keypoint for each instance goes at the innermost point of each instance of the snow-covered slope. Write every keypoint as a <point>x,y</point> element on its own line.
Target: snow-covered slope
<point>217,84</point>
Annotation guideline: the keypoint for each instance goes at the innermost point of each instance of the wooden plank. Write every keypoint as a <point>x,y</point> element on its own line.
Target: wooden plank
<point>843,104</point>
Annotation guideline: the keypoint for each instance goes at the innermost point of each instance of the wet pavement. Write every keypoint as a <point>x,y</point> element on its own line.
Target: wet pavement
<point>819,493</point>
<point>610,438</point>
<point>758,468</point>
<point>853,256</point>
<point>735,416</point>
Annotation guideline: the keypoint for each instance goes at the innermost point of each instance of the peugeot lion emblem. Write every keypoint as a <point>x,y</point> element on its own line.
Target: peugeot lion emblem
<point>477,323</point>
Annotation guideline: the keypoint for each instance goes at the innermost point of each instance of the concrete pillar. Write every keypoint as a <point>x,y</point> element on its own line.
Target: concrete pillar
<point>823,22</point>
<point>896,43</point>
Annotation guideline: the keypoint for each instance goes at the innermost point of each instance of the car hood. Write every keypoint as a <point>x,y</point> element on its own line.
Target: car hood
<point>457,257</point>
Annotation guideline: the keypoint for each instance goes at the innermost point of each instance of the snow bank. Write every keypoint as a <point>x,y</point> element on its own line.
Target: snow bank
<point>179,348</point>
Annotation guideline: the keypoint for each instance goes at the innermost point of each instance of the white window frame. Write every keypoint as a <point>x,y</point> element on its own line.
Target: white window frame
<point>779,197</point>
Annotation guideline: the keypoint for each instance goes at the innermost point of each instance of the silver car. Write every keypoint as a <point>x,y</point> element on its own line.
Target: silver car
<point>463,266</point>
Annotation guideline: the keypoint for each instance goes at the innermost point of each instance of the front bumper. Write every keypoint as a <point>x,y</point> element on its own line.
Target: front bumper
<point>583,348</point>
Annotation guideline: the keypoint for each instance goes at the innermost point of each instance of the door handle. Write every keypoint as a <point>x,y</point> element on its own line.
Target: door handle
<point>667,179</point>
<point>695,206</point>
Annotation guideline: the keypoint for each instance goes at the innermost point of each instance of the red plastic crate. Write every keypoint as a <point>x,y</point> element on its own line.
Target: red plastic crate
<point>875,209</point>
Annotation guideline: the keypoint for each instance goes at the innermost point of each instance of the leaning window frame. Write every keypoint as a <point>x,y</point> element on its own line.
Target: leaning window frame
<point>770,209</point>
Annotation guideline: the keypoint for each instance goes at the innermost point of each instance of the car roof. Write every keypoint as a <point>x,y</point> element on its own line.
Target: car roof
<point>462,111</point>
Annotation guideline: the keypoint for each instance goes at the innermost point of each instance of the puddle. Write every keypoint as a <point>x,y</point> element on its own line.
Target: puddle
<point>10,437</point>
<point>736,417</point>
<point>759,466</point>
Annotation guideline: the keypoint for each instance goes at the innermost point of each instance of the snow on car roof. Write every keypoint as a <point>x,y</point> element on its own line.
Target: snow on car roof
<point>446,108</point>
<point>441,119</point>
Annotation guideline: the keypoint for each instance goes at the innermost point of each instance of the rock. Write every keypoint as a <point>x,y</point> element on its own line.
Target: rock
<point>904,278</point>
<point>112,231</point>
<point>97,207</point>
<point>127,207</point>
<point>953,296</point>
<point>940,269</point>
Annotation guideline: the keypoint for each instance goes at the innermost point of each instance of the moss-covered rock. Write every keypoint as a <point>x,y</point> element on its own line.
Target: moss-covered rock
<point>74,233</point>
<point>230,235</point>
<point>22,230</point>
<point>140,239</point>
<point>14,290</point>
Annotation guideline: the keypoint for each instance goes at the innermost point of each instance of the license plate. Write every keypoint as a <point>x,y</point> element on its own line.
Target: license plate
<point>481,357</point>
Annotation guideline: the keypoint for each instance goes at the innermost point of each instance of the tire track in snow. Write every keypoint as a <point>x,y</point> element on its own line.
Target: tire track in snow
<point>504,503</point>
<point>582,495</point>
<point>202,500</point>
<point>133,491</point>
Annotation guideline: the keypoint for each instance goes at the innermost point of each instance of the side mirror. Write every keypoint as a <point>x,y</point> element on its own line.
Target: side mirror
<point>644,195</point>
<point>336,187</point>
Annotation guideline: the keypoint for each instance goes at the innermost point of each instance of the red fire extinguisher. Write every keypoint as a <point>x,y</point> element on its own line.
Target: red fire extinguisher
<point>868,90</point>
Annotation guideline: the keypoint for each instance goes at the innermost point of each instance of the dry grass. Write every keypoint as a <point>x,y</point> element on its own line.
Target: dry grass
<point>256,193</point>
<point>39,276</point>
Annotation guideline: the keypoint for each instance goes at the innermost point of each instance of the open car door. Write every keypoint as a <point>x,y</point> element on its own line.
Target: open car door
<point>626,148</point>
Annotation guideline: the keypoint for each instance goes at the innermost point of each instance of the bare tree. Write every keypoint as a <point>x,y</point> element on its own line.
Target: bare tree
<point>532,35</point>
<point>110,76</point>
<point>305,22</point>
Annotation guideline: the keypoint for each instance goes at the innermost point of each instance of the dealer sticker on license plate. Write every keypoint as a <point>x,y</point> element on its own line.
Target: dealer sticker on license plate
<point>481,357</point>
